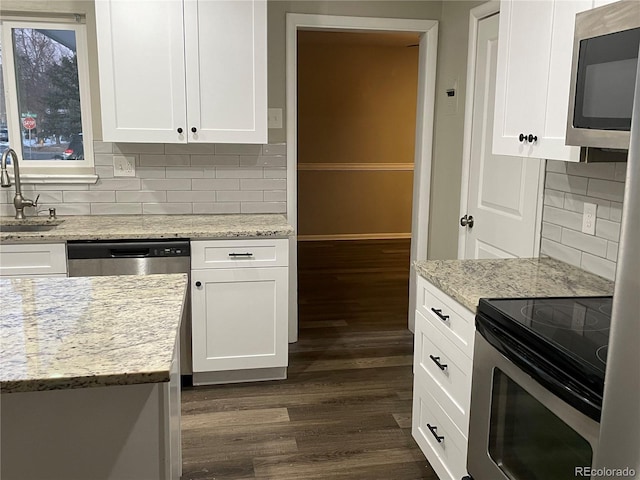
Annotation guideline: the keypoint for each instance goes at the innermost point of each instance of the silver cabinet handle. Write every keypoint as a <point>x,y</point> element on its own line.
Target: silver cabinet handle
<point>245,255</point>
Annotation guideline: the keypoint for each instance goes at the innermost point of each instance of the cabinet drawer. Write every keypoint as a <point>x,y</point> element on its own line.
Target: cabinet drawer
<point>444,371</point>
<point>447,454</point>
<point>239,253</point>
<point>449,317</point>
<point>33,259</point>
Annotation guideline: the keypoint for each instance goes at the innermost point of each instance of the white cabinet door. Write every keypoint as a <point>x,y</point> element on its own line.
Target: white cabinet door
<point>239,318</point>
<point>177,72</point>
<point>33,260</point>
<point>226,65</point>
<point>141,62</point>
<point>532,80</point>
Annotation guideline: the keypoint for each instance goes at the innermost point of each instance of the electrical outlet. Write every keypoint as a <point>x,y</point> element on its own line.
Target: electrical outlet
<point>274,118</point>
<point>589,218</point>
<point>124,166</point>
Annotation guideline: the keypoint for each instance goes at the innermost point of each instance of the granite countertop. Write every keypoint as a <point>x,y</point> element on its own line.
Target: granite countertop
<point>62,333</point>
<point>467,281</point>
<point>114,227</point>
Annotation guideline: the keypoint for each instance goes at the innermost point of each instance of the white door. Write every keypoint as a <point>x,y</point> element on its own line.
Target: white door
<point>226,64</point>
<point>503,190</point>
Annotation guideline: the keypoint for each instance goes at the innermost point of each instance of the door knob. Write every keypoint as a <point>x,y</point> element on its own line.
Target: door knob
<point>467,220</point>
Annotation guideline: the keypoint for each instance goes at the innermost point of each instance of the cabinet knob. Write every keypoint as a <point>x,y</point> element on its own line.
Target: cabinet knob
<point>467,220</point>
<point>532,138</point>
<point>522,137</point>
<point>198,284</point>
<point>179,129</point>
<point>194,129</point>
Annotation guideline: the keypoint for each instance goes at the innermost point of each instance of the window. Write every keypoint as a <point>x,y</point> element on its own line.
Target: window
<point>44,103</point>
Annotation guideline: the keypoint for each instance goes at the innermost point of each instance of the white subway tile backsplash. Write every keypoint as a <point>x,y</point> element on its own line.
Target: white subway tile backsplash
<point>216,208</point>
<point>599,266</point>
<point>554,198</point>
<point>263,184</point>
<point>566,183</point>
<point>167,208</point>
<point>275,196</point>
<point>606,189</point>
<point>263,207</point>
<point>89,197</point>
<point>275,173</point>
<point>157,196</point>
<point>561,217</point>
<point>166,184</point>
<point>239,196</point>
<point>561,252</point>
<point>584,242</point>
<point>174,178</point>
<point>189,149</point>
<point>575,203</point>
<point>577,183</point>
<point>216,184</point>
<point>191,196</point>
<point>116,209</point>
<point>185,172</point>
<point>616,212</point>
<point>238,149</point>
<point>608,229</point>
<point>274,149</point>
<point>235,172</point>
<point>138,148</point>
<point>120,183</point>
<point>551,231</point>
<point>263,161</point>
<point>151,172</point>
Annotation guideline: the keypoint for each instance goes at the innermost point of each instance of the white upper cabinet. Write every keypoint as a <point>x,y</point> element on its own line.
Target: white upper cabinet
<point>535,47</point>
<point>183,71</point>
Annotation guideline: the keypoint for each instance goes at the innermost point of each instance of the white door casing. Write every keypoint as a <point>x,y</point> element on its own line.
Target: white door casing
<point>424,133</point>
<point>502,193</point>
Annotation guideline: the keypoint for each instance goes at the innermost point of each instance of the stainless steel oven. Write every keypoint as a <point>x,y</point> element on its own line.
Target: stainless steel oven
<point>538,378</point>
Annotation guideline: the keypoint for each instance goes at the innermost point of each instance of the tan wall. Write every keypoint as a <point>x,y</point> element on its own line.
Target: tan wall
<point>357,95</point>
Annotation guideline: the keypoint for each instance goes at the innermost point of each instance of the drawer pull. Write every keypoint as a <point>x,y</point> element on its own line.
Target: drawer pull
<point>438,312</point>
<point>436,360</point>
<point>245,255</point>
<point>434,432</point>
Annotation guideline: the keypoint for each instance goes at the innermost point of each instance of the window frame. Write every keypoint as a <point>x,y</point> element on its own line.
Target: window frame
<point>49,171</point>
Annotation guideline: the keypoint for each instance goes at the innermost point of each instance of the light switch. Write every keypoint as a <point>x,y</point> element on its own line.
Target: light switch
<point>124,166</point>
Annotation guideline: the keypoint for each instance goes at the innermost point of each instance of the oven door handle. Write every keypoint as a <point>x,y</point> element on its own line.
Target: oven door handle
<point>543,372</point>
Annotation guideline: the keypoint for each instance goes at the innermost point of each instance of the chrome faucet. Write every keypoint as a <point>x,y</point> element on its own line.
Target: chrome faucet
<point>19,202</point>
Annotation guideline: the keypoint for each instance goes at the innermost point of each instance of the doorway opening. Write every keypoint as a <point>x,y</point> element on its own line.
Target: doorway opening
<point>426,31</point>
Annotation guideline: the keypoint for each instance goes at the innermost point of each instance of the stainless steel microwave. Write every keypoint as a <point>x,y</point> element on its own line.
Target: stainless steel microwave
<point>603,74</point>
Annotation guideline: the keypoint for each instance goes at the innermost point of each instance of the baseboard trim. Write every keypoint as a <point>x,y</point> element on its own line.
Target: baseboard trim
<point>354,236</point>
<point>239,376</point>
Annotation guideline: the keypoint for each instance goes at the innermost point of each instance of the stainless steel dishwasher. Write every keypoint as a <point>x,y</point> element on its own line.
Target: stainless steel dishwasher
<point>88,258</point>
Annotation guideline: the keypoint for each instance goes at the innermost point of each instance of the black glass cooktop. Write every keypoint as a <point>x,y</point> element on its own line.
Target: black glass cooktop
<point>568,333</point>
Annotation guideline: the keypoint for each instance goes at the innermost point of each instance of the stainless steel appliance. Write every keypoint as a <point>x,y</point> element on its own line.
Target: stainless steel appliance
<point>605,57</point>
<point>137,257</point>
<point>538,380</point>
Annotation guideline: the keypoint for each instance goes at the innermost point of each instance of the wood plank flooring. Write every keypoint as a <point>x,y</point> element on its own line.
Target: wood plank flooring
<point>345,410</point>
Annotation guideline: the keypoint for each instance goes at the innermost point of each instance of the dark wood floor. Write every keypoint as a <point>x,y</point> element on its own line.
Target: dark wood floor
<point>345,410</point>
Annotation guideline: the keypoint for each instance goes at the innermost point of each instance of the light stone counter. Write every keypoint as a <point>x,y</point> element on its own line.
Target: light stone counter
<point>467,281</point>
<point>116,227</point>
<point>62,333</point>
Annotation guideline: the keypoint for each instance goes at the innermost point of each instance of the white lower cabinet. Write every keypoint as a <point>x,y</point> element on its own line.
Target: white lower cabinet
<point>33,260</point>
<point>443,350</point>
<point>239,314</point>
